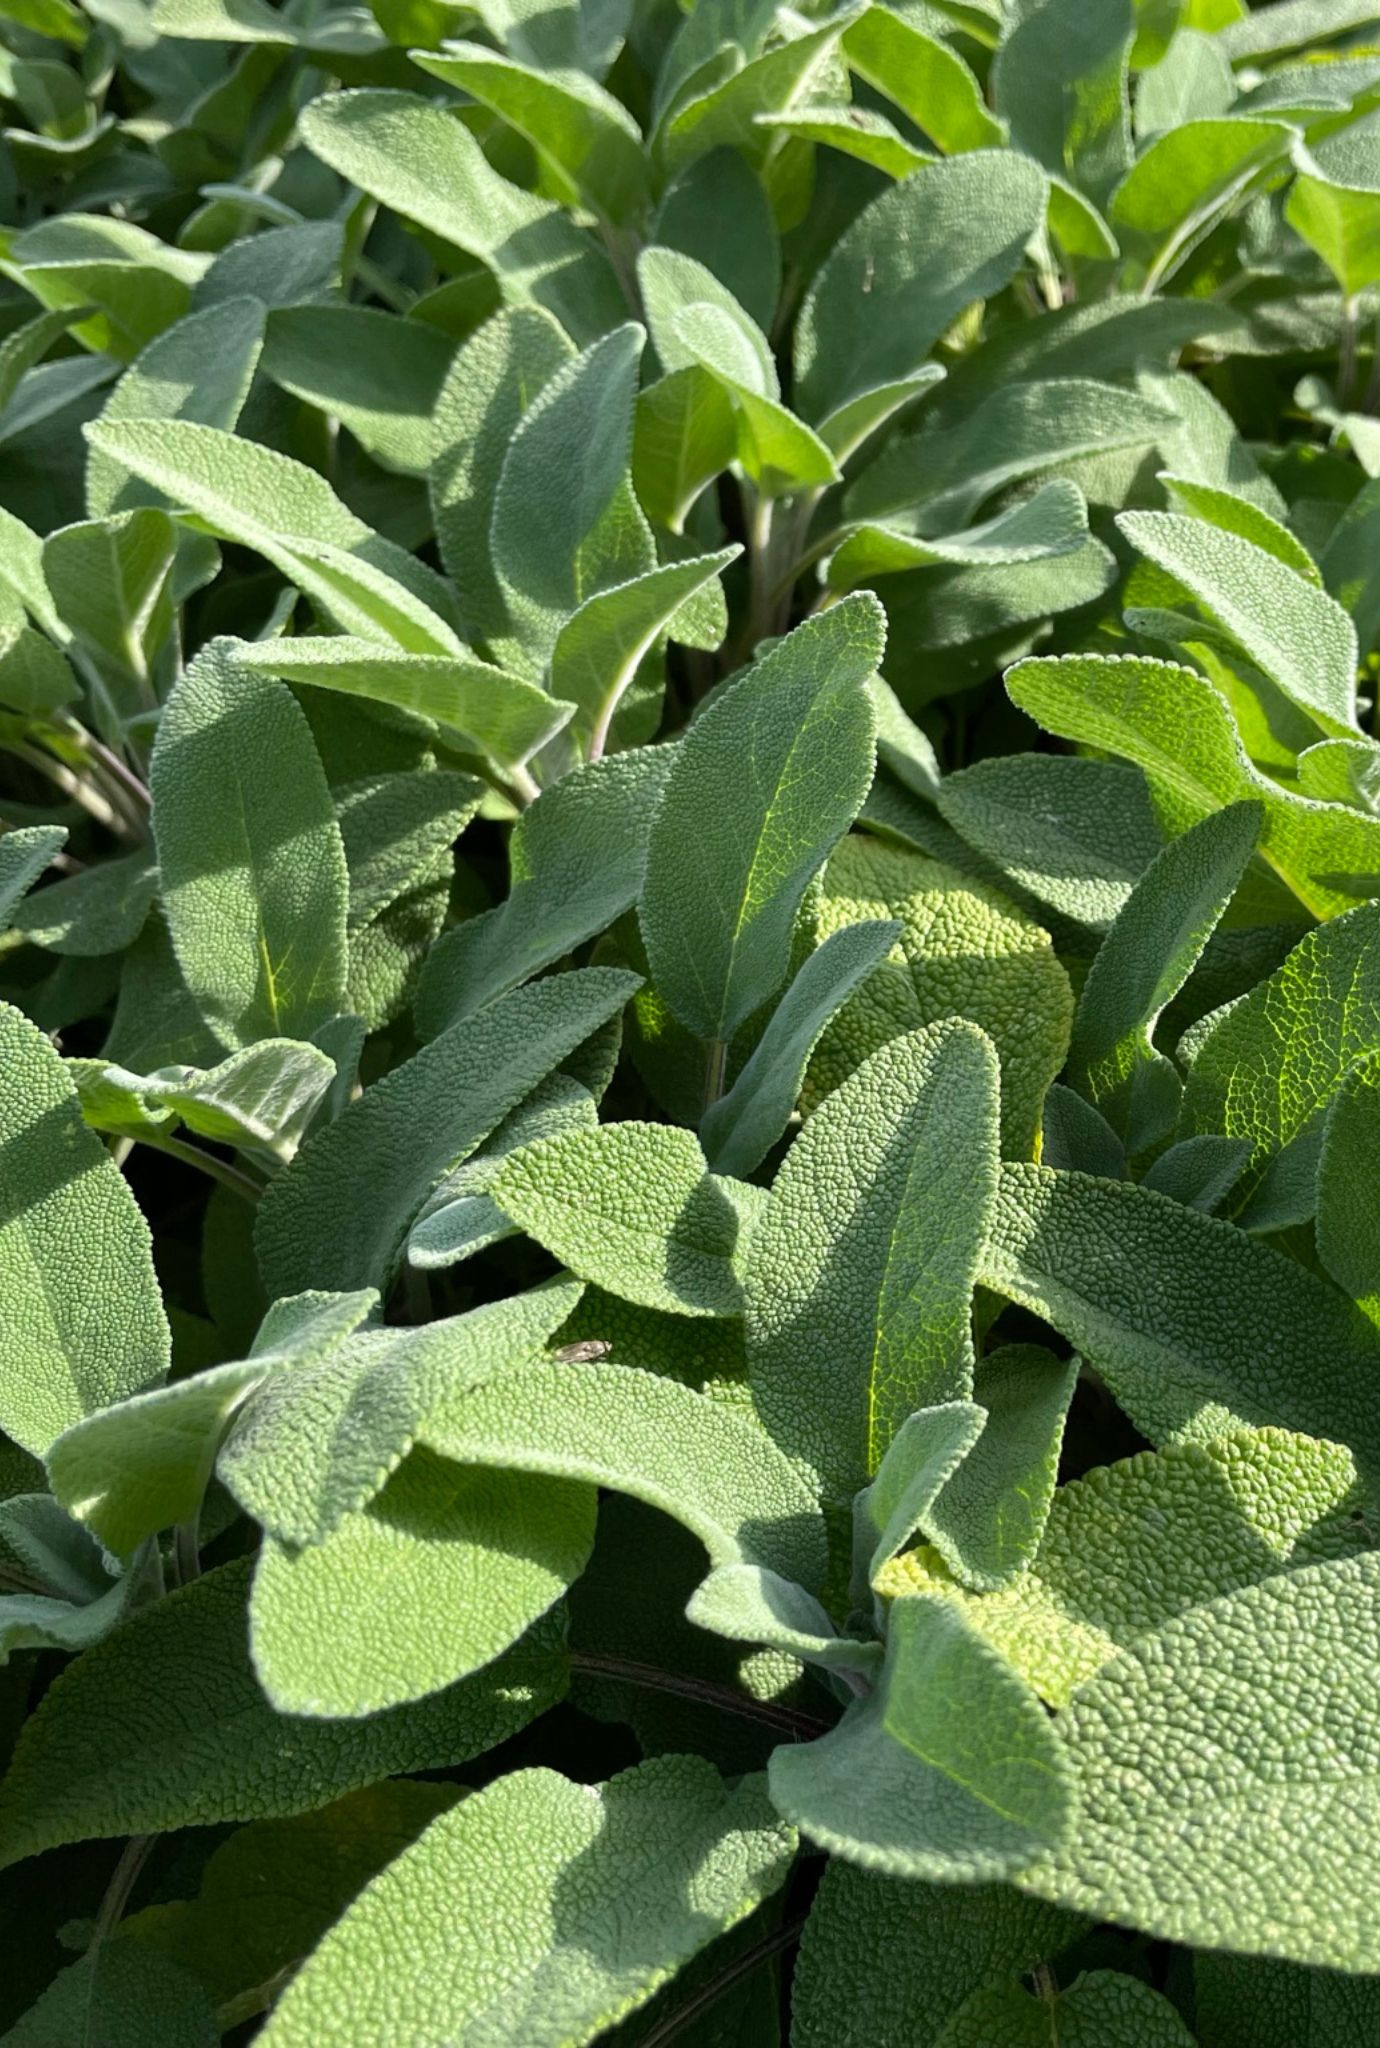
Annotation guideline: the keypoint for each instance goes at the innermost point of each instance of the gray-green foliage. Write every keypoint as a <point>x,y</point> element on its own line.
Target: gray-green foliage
<point>689,1023</point>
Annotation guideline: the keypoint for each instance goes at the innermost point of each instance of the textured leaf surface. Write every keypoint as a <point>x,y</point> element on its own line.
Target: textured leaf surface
<point>989,1518</point>
<point>1194,1325</point>
<point>81,1319</point>
<point>254,885</point>
<point>633,1208</point>
<point>963,951</point>
<point>165,1726</point>
<point>346,1203</point>
<point>614,1426</point>
<point>1102,2009</point>
<point>1175,725</point>
<point>763,784</point>
<point>1132,1545</point>
<point>951,1771</point>
<point>1225,1758</point>
<point>859,1278</point>
<point>542,1949</point>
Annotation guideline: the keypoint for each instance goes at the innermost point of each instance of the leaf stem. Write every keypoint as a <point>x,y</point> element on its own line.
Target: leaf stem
<point>709,1994</point>
<point>1346,359</point>
<point>790,1721</point>
<point>123,1879</point>
<point>91,799</point>
<point>715,1067</point>
<point>220,1170</point>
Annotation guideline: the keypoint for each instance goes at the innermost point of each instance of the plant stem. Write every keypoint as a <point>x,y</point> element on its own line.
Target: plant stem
<point>1346,359</point>
<point>206,1162</point>
<point>186,1553</point>
<point>1045,1986</point>
<point>92,801</point>
<point>247,2005</point>
<point>123,1879</point>
<point>715,1067</point>
<point>733,1973</point>
<point>702,1690</point>
<point>760,569</point>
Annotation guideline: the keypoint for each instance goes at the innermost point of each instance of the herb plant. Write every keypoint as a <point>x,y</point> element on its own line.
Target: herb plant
<point>690,1058</point>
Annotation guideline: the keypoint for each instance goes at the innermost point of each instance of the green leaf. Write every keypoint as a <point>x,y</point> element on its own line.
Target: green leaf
<point>1334,203</point>
<point>1348,1244</point>
<point>24,854</point>
<point>921,1458</point>
<point>1074,832</point>
<point>1176,726</point>
<point>927,79</point>
<point>1234,513</point>
<point>1225,1774</point>
<point>1299,636</point>
<point>118,1996</point>
<point>633,1208</point>
<point>951,1771</point>
<point>725,115</point>
<point>345,1205</point>
<point>506,717</point>
<point>81,1321</point>
<point>199,369</point>
<point>576,861</point>
<point>101,910</point>
<point>1201,1171</point>
<point>764,782</point>
<point>1101,2009</point>
<point>1266,1067</point>
<point>144,1464</point>
<point>1059,80</point>
<point>906,267</point>
<point>747,1604</point>
<point>378,375</point>
<point>859,1278</point>
<point>292,517</point>
<point>414,156</point>
<point>684,433</point>
<point>1242,2002</point>
<point>260,1100</point>
<point>585,136</point>
<point>270,1891</point>
<point>164,1726</point>
<point>742,1126</point>
<point>1018,431</point>
<point>255,888</point>
<point>1188,180</point>
<point>1131,1545</point>
<point>692,1457</point>
<point>1053,521</point>
<point>698,1859</point>
<point>1242,1335</point>
<point>550,556</point>
<point>461,1216</point>
<point>348,1625</point>
<point>989,1517</point>
<point>884,1962</point>
<point>600,646</point>
<point>70,1593</point>
<point>316,1444</point>
<point>1141,965</point>
<point>964,952</point>
<point>494,379</point>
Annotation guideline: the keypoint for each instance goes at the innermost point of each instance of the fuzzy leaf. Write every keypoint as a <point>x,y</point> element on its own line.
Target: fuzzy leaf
<point>1101,2009</point>
<point>571,1960</point>
<point>859,1278</point>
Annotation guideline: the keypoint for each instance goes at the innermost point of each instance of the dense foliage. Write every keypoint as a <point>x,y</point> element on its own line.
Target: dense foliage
<point>690,1059</point>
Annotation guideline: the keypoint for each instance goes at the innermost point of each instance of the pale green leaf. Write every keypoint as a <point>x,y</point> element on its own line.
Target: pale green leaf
<point>692,1457</point>
<point>859,1278</point>
<point>989,1517</point>
<point>963,952</point>
<point>1141,965</point>
<point>253,868</point>
<point>445,1568</point>
<point>576,860</point>
<point>1225,1770</point>
<point>165,1726</point>
<point>378,375</point>
<point>741,1127</point>
<point>414,156</point>
<point>950,1771</point>
<point>925,1453</point>
<point>1186,181</point>
<point>685,432</point>
<point>764,782</point>
<point>1060,81</point>
<point>461,1216</point>
<point>24,854</point>
<point>925,77</point>
<point>81,1321</point>
<point>1175,725</point>
<point>633,1208</point>
<point>101,910</point>
<point>1131,1545</point>
<point>1243,1334</point>
<point>347,1202</point>
<point>1348,1241</point>
<point>1334,203</point>
<point>748,1604</point>
<point>1052,521</point>
<point>1298,635</point>
<point>539,1950</point>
